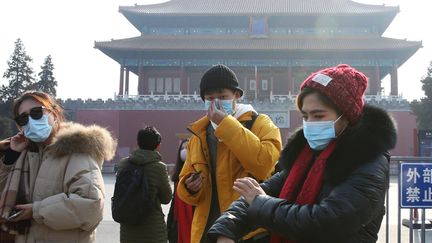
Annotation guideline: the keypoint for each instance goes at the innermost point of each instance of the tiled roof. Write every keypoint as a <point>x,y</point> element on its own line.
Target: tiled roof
<point>186,43</point>
<point>245,7</point>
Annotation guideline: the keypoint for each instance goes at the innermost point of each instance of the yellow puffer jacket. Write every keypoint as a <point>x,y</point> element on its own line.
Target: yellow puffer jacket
<point>240,153</point>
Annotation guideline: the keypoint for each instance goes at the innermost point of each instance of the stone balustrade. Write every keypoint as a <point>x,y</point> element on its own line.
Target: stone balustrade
<point>194,102</point>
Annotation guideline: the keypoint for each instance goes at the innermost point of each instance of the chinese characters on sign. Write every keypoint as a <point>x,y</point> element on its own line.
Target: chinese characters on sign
<point>280,119</point>
<point>416,185</point>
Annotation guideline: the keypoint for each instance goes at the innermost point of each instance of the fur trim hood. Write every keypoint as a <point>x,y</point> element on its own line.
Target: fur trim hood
<point>91,140</point>
<point>374,134</point>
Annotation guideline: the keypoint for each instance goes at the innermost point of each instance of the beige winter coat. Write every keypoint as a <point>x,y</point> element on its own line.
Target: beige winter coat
<point>66,185</point>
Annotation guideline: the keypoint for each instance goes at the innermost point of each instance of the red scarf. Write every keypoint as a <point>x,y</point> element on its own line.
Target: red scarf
<point>302,193</point>
<point>183,214</point>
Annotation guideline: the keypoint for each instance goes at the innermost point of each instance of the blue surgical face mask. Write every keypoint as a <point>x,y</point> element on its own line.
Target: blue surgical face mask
<point>319,134</point>
<point>226,104</point>
<point>37,130</point>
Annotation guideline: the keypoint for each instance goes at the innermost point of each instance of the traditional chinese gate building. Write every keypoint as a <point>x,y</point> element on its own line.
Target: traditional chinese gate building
<point>271,45</point>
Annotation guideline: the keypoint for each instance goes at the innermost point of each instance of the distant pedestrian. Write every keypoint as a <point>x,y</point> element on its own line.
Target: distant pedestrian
<point>180,215</point>
<point>335,170</point>
<point>50,174</point>
<point>153,228</point>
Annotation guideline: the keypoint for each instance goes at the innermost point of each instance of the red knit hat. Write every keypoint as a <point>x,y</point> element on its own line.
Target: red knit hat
<point>344,85</point>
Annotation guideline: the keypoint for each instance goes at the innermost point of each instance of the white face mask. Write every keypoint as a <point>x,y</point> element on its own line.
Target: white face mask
<point>226,104</point>
<point>183,154</point>
<point>38,130</point>
<point>320,133</point>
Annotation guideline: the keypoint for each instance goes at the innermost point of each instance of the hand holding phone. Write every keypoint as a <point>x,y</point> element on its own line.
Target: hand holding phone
<point>193,182</point>
<point>196,175</point>
<point>14,213</point>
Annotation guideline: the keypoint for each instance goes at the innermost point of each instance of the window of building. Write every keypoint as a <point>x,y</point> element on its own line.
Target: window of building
<point>163,85</point>
<point>264,84</point>
<point>151,85</point>
<point>160,85</point>
<point>252,84</point>
<point>168,85</point>
<point>176,85</point>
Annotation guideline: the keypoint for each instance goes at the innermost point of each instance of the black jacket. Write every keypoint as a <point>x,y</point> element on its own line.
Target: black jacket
<point>350,206</point>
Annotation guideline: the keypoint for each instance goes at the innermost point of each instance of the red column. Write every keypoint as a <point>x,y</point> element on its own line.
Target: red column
<point>256,82</point>
<point>271,84</point>
<point>140,79</point>
<point>245,89</point>
<point>188,91</point>
<point>127,82</point>
<point>291,84</point>
<point>394,82</point>
<point>121,80</point>
<point>183,80</point>
<point>375,83</point>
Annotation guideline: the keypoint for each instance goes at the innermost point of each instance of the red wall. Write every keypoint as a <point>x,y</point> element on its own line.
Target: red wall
<point>406,125</point>
<point>124,124</point>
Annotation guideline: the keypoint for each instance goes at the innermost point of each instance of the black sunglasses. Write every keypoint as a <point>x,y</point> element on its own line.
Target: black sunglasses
<point>35,113</point>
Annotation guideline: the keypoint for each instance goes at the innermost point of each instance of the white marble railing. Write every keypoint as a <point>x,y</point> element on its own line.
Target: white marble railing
<point>272,98</point>
<point>161,97</point>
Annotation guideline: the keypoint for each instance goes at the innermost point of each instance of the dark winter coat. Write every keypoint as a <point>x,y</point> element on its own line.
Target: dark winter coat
<point>350,206</point>
<point>153,229</point>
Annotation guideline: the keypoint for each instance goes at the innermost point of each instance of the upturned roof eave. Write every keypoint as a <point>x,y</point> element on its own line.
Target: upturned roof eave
<point>136,18</point>
<point>284,14</point>
<point>134,43</point>
<point>332,50</point>
<point>199,8</point>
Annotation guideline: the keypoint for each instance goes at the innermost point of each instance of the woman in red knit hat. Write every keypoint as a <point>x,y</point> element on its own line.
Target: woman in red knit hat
<point>335,170</point>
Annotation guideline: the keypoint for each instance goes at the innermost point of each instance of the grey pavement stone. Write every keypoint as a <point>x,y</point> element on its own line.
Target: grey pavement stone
<point>109,231</point>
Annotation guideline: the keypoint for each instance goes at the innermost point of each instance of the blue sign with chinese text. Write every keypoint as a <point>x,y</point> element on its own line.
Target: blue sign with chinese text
<point>416,185</point>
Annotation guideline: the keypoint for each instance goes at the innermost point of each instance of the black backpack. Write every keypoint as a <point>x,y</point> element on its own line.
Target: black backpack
<point>131,202</point>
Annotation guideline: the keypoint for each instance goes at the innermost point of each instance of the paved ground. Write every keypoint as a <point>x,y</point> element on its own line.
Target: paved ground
<point>108,230</point>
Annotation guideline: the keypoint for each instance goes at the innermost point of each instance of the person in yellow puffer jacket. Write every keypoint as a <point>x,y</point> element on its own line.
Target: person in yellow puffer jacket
<point>223,149</point>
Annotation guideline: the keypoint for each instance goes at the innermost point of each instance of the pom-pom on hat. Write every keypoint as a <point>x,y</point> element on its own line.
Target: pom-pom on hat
<point>219,77</point>
<point>344,85</point>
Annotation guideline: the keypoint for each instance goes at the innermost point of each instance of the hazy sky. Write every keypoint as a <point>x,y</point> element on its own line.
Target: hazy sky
<point>66,30</point>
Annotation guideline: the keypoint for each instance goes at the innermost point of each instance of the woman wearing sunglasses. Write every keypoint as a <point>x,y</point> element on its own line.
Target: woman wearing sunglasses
<point>50,173</point>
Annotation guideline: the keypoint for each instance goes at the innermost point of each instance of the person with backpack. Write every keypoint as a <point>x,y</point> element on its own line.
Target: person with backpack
<point>335,170</point>
<point>230,142</point>
<point>145,168</point>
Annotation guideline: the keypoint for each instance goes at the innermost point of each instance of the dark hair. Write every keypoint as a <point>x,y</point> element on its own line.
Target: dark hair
<point>179,163</point>
<point>45,99</point>
<point>323,98</point>
<point>148,138</point>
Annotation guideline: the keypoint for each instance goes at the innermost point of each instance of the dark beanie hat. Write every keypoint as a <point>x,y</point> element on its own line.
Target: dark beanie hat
<point>219,77</point>
<point>344,85</point>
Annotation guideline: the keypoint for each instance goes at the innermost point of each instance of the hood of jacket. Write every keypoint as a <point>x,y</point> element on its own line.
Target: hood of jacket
<point>374,134</point>
<point>93,140</point>
<point>242,109</point>
<point>144,156</point>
